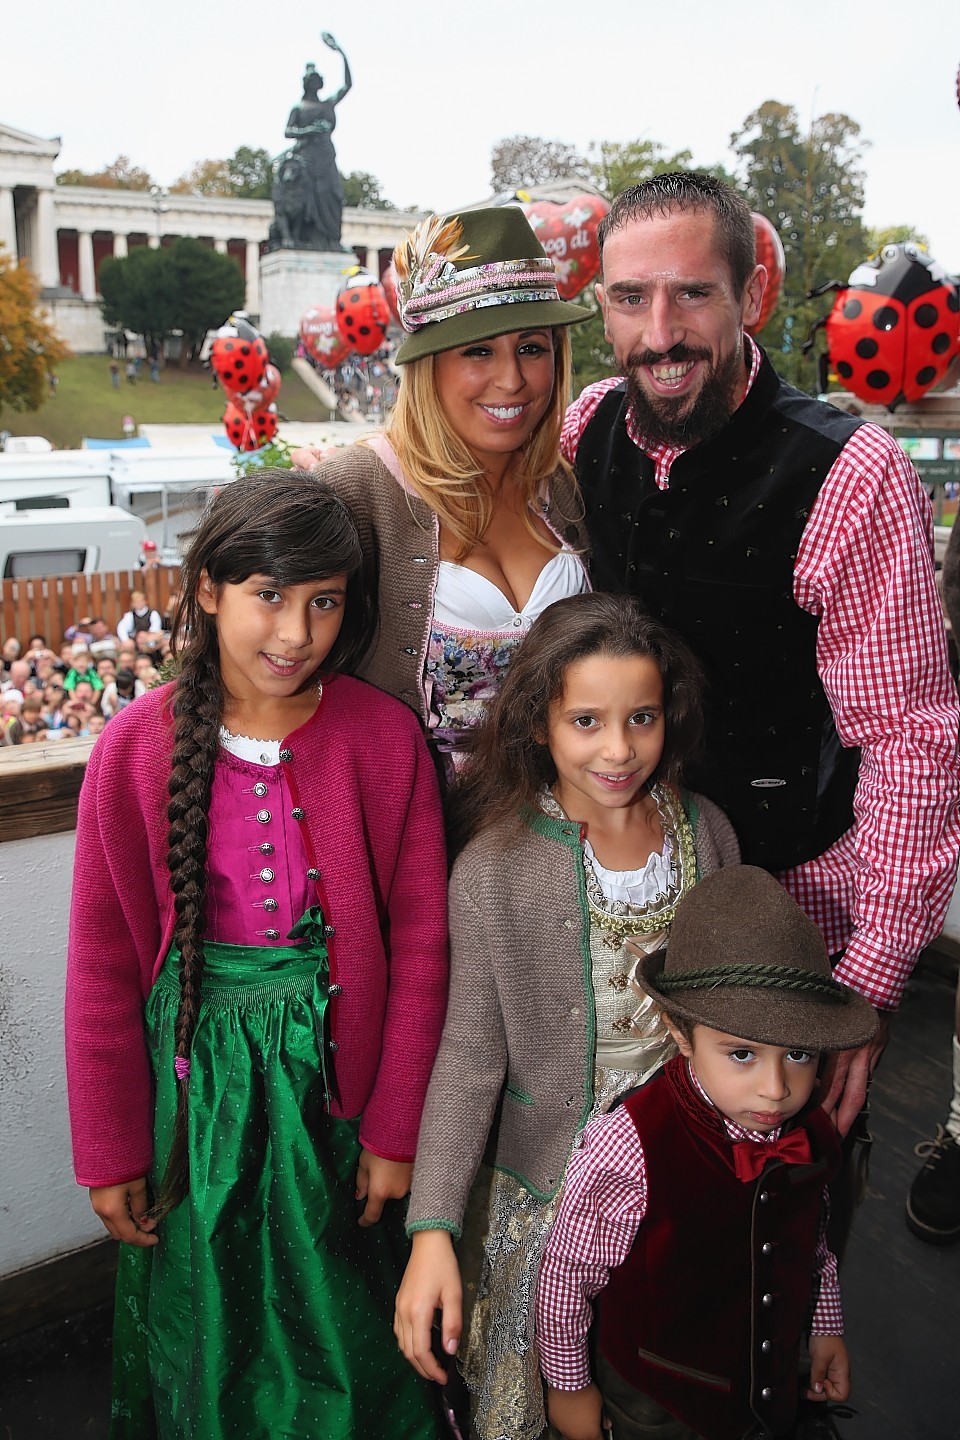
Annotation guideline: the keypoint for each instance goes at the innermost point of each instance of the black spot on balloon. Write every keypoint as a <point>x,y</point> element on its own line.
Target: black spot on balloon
<point>886,318</point>
<point>851,309</point>
<point>940,343</point>
<point>925,316</point>
<point>365,330</point>
<point>866,349</point>
<point>927,375</point>
<point>953,301</point>
<point>878,379</point>
<point>844,369</point>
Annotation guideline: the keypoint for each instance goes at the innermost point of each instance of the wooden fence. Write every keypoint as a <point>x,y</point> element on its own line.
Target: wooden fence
<point>47,606</point>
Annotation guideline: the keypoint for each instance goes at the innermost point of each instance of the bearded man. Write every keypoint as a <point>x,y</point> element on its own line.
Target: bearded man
<point>791,546</point>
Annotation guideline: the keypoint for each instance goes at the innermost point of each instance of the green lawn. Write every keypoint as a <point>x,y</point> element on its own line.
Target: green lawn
<point>87,404</point>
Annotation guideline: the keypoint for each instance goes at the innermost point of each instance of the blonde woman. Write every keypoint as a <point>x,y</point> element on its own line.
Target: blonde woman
<point>470,522</point>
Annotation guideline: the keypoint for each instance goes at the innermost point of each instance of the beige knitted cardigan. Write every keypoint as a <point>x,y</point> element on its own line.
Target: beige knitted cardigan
<point>399,534</point>
<point>520,1019</point>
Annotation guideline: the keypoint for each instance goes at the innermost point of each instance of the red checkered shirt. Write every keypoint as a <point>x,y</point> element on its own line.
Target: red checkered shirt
<point>864,567</point>
<point>603,1206</point>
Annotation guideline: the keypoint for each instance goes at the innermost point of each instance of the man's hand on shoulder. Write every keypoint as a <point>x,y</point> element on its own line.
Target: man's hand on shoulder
<point>847,1077</point>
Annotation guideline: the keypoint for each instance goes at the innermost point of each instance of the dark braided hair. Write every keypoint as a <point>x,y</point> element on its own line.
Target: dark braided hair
<point>288,525</point>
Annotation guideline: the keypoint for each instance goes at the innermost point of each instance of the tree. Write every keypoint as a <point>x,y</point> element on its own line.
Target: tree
<point>362,190</point>
<point>206,177</point>
<point>186,287</point>
<point>208,287</point>
<point>615,167</point>
<point>29,348</point>
<point>247,175</point>
<point>523,160</point>
<point>251,171</point>
<point>121,175</point>
<point>810,186</point>
<point>877,237</point>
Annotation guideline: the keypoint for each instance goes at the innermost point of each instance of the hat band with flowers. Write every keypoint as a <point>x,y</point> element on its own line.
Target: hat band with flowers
<point>461,279</point>
<point>443,291</point>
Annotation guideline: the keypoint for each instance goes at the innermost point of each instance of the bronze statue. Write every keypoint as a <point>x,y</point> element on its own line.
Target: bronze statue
<point>307,189</point>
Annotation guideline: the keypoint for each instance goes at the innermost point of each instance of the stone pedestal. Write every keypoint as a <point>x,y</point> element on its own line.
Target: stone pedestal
<point>293,280</point>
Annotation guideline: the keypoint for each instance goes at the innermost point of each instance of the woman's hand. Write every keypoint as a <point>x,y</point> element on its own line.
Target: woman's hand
<point>431,1282</point>
<point>577,1414</point>
<point>123,1209</point>
<point>309,457</point>
<point>379,1180</point>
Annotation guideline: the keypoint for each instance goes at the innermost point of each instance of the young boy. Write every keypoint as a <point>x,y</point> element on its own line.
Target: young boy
<point>696,1206</point>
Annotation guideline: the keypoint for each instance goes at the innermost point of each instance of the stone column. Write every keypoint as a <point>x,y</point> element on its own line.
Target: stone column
<point>45,240</point>
<point>88,278</point>
<point>8,223</point>
<point>153,241</point>
<point>120,250</point>
<point>220,246</point>
<point>252,297</point>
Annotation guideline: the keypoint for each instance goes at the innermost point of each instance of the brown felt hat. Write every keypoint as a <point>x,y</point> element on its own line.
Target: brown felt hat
<point>745,959</point>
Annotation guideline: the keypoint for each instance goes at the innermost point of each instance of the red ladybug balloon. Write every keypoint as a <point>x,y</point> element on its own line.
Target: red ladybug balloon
<point>264,393</point>
<point>568,233</point>
<point>249,432</point>
<point>238,360</point>
<point>770,254</point>
<point>363,314</point>
<point>894,329</point>
<point>321,337</point>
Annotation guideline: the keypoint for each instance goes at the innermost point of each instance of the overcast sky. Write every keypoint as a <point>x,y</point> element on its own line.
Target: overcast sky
<point>436,85</point>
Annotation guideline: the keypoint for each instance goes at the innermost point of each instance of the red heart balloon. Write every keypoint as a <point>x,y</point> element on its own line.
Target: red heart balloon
<point>568,233</point>
<point>321,337</point>
<point>389,282</point>
<point>238,363</point>
<point>363,315</point>
<point>769,253</point>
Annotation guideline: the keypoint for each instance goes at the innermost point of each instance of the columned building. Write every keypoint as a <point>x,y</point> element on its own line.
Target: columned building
<point>64,232</point>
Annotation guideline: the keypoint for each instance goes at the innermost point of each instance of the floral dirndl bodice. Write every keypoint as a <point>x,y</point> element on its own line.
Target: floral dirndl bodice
<point>473,637</point>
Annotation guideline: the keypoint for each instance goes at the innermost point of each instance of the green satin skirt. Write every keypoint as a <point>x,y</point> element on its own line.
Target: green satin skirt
<point>265,1311</point>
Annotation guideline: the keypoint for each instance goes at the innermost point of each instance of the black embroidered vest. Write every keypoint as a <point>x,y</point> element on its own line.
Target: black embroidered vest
<point>712,557</point>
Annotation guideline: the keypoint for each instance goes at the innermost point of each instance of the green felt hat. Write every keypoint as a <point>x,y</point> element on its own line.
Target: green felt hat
<point>468,277</point>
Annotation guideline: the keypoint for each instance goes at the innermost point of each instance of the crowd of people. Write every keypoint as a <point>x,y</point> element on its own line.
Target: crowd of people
<point>663,676</point>
<point>76,688</point>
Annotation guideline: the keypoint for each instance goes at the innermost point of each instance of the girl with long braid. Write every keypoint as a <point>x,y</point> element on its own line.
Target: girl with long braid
<point>255,991</point>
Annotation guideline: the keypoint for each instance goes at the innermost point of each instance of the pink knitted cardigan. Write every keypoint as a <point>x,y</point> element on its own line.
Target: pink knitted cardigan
<point>360,770</point>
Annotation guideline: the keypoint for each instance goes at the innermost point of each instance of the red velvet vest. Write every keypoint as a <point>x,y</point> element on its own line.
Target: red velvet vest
<point>705,1315</point>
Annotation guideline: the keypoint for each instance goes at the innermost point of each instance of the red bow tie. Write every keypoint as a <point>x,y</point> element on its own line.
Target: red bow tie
<point>750,1156</point>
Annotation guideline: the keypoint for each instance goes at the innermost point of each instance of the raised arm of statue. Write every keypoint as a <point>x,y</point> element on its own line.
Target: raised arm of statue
<point>347,85</point>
